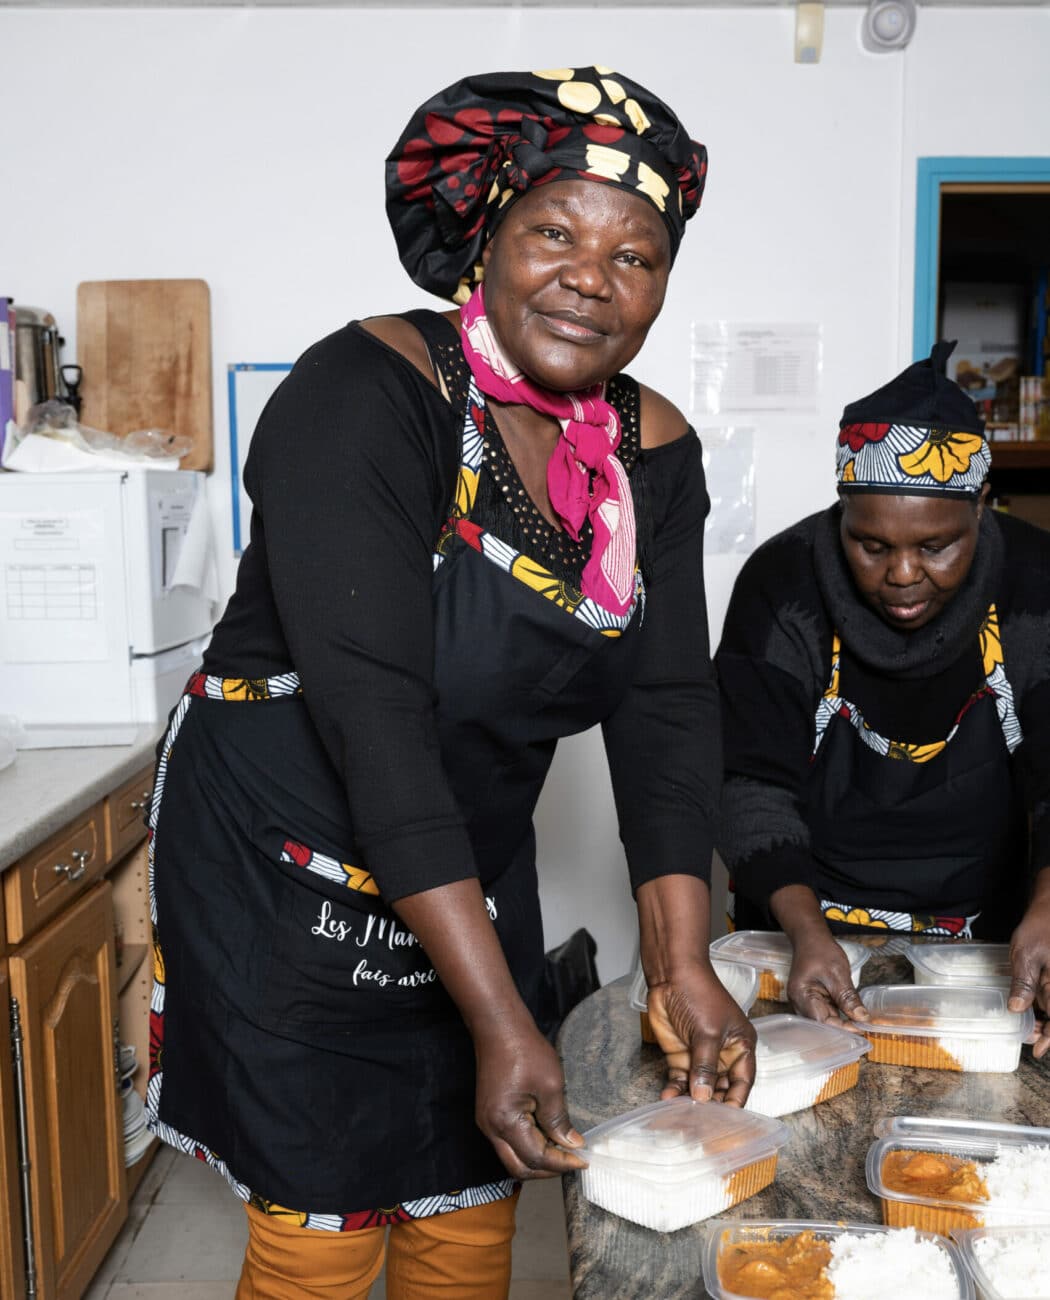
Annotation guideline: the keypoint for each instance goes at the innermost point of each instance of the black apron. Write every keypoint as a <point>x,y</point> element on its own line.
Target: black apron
<point>303,1042</point>
<point>919,837</point>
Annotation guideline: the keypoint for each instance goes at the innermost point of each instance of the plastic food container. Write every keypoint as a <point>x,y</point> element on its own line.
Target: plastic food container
<point>945,1027</point>
<point>740,982</point>
<point>1007,1263</point>
<point>769,951</point>
<point>962,1139</point>
<point>727,1233</point>
<point>673,1163</point>
<point>961,964</point>
<point>800,1062</point>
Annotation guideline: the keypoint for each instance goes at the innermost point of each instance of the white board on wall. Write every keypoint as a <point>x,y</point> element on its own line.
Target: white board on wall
<point>250,386</point>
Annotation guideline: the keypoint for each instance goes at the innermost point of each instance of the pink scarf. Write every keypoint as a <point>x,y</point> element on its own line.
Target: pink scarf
<point>590,435</point>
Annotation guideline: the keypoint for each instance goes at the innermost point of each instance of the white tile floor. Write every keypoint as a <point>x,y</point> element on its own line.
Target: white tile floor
<point>185,1234</point>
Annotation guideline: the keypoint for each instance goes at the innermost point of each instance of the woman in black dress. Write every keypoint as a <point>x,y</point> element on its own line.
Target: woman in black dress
<point>472,534</point>
<point>885,680</point>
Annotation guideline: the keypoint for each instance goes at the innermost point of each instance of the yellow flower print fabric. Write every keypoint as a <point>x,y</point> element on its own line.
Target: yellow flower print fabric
<point>854,916</point>
<point>911,458</point>
<point>996,684</point>
<point>943,455</point>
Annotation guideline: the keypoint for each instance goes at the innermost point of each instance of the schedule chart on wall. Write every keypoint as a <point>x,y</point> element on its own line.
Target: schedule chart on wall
<point>51,591</point>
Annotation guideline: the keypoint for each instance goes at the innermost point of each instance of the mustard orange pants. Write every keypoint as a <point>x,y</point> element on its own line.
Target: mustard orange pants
<point>460,1256</point>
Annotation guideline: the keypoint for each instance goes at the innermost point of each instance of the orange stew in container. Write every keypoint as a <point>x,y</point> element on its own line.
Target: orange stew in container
<point>791,1268</point>
<point>933,1174</point>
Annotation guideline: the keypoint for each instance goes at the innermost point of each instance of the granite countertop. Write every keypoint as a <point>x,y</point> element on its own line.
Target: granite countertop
<point>820,1174</point>
<point>45,788</point>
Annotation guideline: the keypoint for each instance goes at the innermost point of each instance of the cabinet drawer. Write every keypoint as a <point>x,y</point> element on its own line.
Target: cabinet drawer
<point>125,811</point>
<point>43,882</point>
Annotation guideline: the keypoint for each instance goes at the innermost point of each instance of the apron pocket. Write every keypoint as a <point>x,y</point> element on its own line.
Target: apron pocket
<point>332,966</point>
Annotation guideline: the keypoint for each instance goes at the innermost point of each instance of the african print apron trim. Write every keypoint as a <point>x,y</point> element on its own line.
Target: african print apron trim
<point>996,684</point>
<point>227,688</point>
<point>209,687</point>
<point>339,873</point>
<point>514,562</point>
<point>954,927</point>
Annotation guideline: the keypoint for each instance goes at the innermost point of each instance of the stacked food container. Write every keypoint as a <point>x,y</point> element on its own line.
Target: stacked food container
<point>770,953</point>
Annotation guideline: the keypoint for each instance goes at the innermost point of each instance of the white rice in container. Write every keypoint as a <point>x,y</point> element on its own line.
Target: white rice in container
<point>677,1200</point>
<point>794,1060</point>
<point>971,1024</point>
<point>1016,1264</point>
<point>1018,1179</point>
<point>796,1091</point>
<point>673,1163</point>
<point>961,963</point>
<point>896,1263</point>
<point>983,1055</point>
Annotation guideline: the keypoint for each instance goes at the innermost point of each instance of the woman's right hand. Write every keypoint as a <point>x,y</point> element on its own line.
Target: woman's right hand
<point>520,1101</point>
<point>820,985</point>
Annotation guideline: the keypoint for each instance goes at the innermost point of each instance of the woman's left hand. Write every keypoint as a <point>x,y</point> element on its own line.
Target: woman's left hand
<point>1030,962</point>
<point>707,1040</point>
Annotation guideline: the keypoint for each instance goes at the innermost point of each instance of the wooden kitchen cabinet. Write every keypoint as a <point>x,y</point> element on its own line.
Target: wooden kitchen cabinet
<point>42,883</point>
<point>125,811</point>
<point>12,1244</point>
<point>64,979</point>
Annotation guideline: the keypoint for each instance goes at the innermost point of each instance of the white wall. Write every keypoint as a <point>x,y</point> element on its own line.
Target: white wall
<point>245,146</point>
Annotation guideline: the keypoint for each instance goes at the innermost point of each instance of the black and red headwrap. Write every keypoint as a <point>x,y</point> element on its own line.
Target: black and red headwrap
<point>474,147</point>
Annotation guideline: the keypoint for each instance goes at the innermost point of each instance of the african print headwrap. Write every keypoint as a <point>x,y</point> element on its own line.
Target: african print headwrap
<point>473,148</point>
<point>920,435</point>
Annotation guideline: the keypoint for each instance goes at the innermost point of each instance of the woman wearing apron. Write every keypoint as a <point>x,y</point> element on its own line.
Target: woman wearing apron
<point>885,681</point>
<point>472,535</point>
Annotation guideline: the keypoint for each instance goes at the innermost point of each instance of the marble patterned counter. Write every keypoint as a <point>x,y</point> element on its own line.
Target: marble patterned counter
<point>820,1174</point>
<point>43,789</point>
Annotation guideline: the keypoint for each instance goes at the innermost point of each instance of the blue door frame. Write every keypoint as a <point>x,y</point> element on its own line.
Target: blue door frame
<point>933,173</point>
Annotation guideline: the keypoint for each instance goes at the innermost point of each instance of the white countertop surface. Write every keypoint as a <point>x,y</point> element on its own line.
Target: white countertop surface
<point>45,788</point>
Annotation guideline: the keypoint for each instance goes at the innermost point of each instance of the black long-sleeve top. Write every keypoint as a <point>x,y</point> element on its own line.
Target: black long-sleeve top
<point>774,662</point>
<point>350,472</point>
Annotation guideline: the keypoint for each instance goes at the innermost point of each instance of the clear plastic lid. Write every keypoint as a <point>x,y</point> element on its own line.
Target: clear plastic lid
<point>673,1141</point>
<point>771,950</point>
<point>726,1233</point>
<point>994,1255</point>
<point>961,963</point>
<point>793,1047</point>
<point>944,1010</point>
<point>739,981</point>
<point>979,1141</point>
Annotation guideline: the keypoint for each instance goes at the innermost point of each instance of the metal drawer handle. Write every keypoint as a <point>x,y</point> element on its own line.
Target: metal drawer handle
<point>80,857</point>
<point>137,805</point>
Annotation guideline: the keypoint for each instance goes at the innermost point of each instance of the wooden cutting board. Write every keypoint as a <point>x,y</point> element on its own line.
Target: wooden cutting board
<point>145,350</point>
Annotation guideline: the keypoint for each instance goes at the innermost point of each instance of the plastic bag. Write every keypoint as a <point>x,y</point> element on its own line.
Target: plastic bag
<point>58,420</point>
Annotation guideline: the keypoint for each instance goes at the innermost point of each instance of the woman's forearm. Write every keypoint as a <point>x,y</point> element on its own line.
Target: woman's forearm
<point>674,924</point>
<point>452,924</point>
<point>797,912</point>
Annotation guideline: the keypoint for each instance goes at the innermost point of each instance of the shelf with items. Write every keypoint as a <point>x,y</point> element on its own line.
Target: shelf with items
<point>1020,455</point>
<point>131,912</point>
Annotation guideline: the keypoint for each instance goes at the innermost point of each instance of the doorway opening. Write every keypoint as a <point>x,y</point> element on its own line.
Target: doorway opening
<point>982,276</point>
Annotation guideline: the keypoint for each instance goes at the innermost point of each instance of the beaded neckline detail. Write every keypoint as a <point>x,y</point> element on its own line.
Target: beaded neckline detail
<point>513,559</point>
